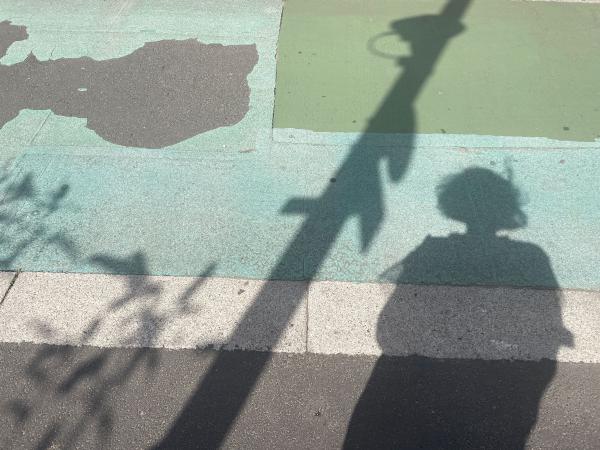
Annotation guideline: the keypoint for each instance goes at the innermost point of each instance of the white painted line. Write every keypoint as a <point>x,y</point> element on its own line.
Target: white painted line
<point>344,318</point>
<point>564,1</point>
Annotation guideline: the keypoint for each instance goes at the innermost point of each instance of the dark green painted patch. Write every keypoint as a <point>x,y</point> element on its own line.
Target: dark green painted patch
<point>517,68</point>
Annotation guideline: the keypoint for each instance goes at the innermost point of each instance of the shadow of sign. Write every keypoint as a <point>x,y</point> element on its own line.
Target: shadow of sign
<point>159,95</point>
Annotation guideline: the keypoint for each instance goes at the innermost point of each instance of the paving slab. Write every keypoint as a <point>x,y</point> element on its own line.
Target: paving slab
<point>143,311</point>
<point>480,366</point>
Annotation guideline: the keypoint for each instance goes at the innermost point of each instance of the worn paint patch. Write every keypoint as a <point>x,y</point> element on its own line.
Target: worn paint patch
<point>112,30</point>
<point>160,94</point>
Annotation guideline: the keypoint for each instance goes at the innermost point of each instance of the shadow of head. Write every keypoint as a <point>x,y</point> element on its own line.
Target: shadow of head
<point>483,200</point>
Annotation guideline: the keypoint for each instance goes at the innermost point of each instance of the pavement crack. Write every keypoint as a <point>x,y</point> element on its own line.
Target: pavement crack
<point>306,349</point>
<point>35,135</point>
<point>11,284</point>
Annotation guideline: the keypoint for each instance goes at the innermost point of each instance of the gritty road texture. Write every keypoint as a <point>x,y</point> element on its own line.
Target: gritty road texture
<point>85,397</point>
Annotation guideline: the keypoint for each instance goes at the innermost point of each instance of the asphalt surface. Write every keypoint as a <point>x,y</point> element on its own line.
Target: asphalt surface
<point>86,397</point>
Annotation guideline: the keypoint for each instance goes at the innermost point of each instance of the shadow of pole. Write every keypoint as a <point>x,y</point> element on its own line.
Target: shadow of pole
<point>486,356</point>
<point>205,419</point>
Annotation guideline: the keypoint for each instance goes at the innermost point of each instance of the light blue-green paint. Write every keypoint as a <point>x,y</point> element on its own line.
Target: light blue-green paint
<point>184,213</point>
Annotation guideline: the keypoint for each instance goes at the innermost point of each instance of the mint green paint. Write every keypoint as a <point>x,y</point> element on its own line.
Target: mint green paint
<point>518,69</point>
<point>183,212</point>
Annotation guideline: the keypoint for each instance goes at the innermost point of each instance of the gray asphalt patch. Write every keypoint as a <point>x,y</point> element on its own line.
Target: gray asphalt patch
<point>160,94</point>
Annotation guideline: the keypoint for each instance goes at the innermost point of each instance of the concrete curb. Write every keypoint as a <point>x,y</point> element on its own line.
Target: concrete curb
<point>333,317</point>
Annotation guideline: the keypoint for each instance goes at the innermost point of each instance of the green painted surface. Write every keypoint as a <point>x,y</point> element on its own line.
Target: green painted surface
<point>517,69</point>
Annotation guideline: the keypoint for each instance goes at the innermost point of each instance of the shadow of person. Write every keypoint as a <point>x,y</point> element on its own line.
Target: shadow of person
<point>158,95</point>
<point>487,353</point>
